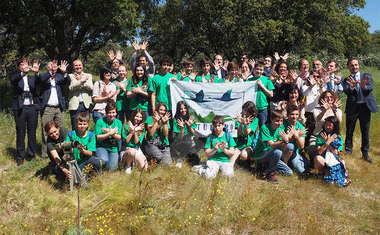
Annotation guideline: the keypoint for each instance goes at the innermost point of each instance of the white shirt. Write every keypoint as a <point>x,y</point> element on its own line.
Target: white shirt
<point>27,101</point>
<point>53,99</point>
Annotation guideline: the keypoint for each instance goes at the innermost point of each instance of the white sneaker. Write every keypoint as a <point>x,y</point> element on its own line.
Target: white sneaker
<point>128,170</point>
<point>179,165</point>
<point>196,168</point>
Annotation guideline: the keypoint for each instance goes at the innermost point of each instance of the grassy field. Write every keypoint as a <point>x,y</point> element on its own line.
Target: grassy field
<point>172,200</point>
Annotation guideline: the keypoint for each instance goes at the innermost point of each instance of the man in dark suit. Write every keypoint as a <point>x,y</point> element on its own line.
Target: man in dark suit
<point>360,103</point>
<point>52,101</point>
<point>25,108</point>
<point>219,68</point>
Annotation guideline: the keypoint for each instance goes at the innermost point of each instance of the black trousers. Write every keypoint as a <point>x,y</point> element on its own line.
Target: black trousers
<point>364,115</point>
<point>26,120</point>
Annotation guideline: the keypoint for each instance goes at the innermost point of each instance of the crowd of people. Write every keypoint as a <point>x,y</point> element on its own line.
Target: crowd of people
<point>293,125</point>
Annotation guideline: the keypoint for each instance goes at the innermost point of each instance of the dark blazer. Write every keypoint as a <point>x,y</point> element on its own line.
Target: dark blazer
<point>224,72</point>
<point>18,90</point>
<point>352,95</point>
<point>60,80</point>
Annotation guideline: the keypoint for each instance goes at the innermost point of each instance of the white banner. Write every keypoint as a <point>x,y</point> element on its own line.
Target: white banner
<point>205,100</point>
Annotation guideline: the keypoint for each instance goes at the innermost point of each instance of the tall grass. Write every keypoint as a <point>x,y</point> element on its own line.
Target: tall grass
<point>179,201</point>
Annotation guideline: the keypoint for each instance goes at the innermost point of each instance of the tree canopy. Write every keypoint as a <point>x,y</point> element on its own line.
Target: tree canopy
<point>67,29</point>
<point>259,27</point>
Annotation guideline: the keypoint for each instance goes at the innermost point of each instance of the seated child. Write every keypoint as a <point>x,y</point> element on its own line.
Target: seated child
<point>329,144</point>
<point>183,143</point>
<point>157,142</point>
<point>108,133</point>
<point>270,145</point>
<point>246,125</point>
<point>296,134</point>
<point>133,136</point>
<point>219,148</point>
<point>83,153</point>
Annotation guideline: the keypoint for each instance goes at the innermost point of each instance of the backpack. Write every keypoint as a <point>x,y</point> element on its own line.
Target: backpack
<point>90,135</point>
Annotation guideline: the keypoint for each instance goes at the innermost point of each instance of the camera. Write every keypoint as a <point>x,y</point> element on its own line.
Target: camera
<point>66,147</point>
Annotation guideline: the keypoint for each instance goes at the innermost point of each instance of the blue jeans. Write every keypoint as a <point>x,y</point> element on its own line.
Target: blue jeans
<point>263,116</point>
<point>109,159</point>
<point>96,116</point>
<point>283,168</point>
<point>299,162</point>
<point>74,115</point>
<point>296,160</point>
<point>270,160</point>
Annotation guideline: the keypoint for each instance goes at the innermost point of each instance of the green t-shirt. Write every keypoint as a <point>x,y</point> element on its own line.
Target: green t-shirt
<point>266,134</point>
<point>246,142</point>
<point>185,79</point>
<point>261,98</point>
<point>88,144</point>
<point>320,141</point>
<point>208,77</point>
<point>138,101</point>
<point>110,144</point>
<point>219,155</point>
<point>177,129</point>
<point>159,134</point>
<point>121,99</point>
<point>299,126</point>
<point>160,85</point>
<point>131,143</point>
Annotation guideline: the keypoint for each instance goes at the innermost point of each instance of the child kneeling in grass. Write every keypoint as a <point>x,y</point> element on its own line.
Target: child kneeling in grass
<point>270,146</point>
<point>219,148</point>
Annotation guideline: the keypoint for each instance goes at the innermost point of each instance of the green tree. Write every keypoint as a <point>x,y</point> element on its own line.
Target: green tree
<point>185,28</point>
<point>67,29</point>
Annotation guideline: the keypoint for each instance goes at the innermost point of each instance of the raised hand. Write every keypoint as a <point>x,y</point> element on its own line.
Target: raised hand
<point>293,74</point>
<point>156,116</point>
<point>331,138</point>
<point>325,104</point>
<point>63,66</point>
<point>251,62</point>
<point>36,66</point>
<point>111,55</point>
<point>338,78</point>
<point>276,56</point>
<point>337,103</point>
<point>136,46</point>
<point>351,82</point>
<point>144,45</point>
<point>180,123</point>
<point>216,65</point>
<point>285,57</point>
<point>119,55</point>
<point>274,76</point>
<point>284,136</point>
<point>139,127</point>
<point>323,136</point>
<point>364,82</point>
<point>225,64</point>
<point>189,122</point>
<point>165,118</point>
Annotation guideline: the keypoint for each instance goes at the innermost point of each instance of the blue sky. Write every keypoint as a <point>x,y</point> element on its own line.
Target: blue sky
<point>371,13</point>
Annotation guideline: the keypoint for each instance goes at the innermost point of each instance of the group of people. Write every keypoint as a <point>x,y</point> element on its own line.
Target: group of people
<point>294,123</point>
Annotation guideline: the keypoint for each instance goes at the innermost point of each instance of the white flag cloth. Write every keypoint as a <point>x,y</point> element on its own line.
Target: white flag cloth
<point>205,100</point>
